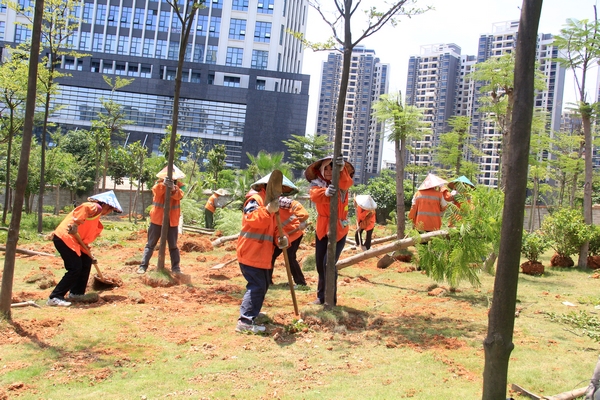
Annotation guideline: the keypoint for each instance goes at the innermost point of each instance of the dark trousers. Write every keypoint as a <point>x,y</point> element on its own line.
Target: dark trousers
<point>256,289</point>
<point>208,219</point>
<point>78,271</point>
<point>153,238</point>
<point>358,235</point>
<point>294,264</point>
<point>321,261</point>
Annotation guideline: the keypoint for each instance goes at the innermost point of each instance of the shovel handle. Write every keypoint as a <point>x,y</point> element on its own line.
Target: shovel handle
<point>287,265</point>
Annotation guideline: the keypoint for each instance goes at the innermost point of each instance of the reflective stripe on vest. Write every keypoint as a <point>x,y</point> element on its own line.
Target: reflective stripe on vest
<point>256,236</point>
<point>161,205</point>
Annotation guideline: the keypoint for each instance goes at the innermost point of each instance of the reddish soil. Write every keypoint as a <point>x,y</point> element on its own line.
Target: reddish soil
<point>561,261</point>
<point>532,268</point>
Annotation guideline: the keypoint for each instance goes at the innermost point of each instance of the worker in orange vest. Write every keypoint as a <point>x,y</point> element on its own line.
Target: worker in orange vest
<point>365,220</point>
<point>84,221</point>
<point>428,205</point>
<point>213,202</point>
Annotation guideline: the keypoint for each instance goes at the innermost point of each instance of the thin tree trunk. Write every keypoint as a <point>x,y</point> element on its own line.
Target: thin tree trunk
<point>43,146</point>
<point>587,187</point>
<point>21,185</point>
<point>400,207</point>
<point>498,344</point>
<point>8,161</point>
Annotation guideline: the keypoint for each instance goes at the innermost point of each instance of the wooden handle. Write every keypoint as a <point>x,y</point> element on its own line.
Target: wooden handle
<point>287,265</point>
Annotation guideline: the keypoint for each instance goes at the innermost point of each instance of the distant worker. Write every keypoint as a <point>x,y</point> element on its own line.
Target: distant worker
<point>159,192</point>
<point>428,205</point>
<point>83,223</point>
<point>365,220</point>
<point>214,201</point>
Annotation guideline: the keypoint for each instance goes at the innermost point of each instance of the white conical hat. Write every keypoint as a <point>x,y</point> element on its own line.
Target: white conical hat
<point>365,202</point>
<point>432,181</point>
<point>108,198</point>
<point>177,173</point>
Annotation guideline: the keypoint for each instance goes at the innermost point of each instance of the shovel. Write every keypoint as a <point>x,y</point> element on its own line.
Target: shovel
<point>106,281</point>
<point>274,190</point>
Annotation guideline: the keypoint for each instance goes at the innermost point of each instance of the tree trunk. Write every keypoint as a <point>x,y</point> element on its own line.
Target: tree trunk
<point>498,343</point>
<point>587,187</point>
<point>57,206</point>
<point>8,162</point>
<point>43,148</point>
<point>533,203</point>
<point>21,185</point>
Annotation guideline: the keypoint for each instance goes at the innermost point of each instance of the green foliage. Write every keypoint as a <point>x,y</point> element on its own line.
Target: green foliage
<point>534,244</point>
<point>192,211</point>
<point>304,150</point>
<point>264,163</point>
<point>383,191</point>
<point>594,247</point>
<point>216,162</point>
<point>589,325</point>
<point>566,231</point>
<point>459,256</point>
<point>228,221</point>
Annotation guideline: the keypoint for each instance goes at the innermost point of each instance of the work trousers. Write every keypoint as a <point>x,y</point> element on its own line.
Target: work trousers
<point>78,271</point>
<point>256,289</point>
<point>321,261</point>
<point>154,237</point>
<point>294,264</point>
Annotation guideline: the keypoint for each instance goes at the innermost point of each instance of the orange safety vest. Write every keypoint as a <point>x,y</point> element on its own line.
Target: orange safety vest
<point>210,204</point>
<point>366,218</point>
<point>291,219</point>
<point>158,200</point>
<point>317,196</point>
<point>427,210</point>
<point>87,218</point>
<point>256,241</point>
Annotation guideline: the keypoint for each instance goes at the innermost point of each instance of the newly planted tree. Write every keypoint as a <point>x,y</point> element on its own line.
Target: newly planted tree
<point>580,42</point>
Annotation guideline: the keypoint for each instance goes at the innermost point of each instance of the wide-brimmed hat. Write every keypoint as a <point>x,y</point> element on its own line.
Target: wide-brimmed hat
<point>462,179</point>
<point>177,173</point>
<point>221,192</point>
<point>109,198</point>
<point>311,171</point>
<point>288,187</point>
<point>366,202</point>
<point>432,181</point>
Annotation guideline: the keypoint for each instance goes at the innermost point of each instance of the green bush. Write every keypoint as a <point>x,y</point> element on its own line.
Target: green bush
<point>534,244</point>
<point>594,248</point>
<point>566,231</point>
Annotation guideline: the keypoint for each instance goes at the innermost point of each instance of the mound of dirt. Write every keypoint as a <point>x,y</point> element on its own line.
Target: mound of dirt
<point>561,261</point>
<point>532,268</point>
<point>593,262</point>
<point>200,244</point>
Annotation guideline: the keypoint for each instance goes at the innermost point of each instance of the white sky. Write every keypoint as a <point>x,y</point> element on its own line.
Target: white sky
<point>453,21</point>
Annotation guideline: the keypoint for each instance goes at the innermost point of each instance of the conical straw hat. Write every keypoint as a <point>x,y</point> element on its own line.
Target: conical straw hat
<point>288,187</point>
<point>432,181</point>
<point>365,202</point>
<point>177,173</point>
<point>108,198</point>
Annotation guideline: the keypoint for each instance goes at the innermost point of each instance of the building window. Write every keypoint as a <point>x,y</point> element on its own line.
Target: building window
<point>2,29</point>
<point>262,32</point>
<point>120,68</point>
<point>133,70</point>
<point>2,8</point>
<point>100,14</point>
<point>231,81</point>
<point>147,50</point>
<point>195,77</point>
<point>151,20</point>
<point>176,24</point>
<point>97,42</point>
<point>211,54</point>
<point>163,21</point>
<point>161,49</point>
<point>234,56</point>
<point>237,29</point>
<point>173,51</point>
<point>138,18</point>
<point>110,45</point>
<point>202,25</point>
<point>146,71</point>
<point>217,3</point>
<point>261,84</point>
<point>239,5</point>
<point>125,17</point>
<point>113,15</point>
<point>136,45</point>
<point>266,6</point>
<point>123,47</point>
<point>88,9</point>
<point>215,26</point>
<point>198,53</point>
<point>260,59</point>
<point>84,41</point>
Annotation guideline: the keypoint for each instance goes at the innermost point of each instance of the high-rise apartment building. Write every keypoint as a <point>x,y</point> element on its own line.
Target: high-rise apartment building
<point>362,141</point>
<point>427,78</point>
<point>241,87</point>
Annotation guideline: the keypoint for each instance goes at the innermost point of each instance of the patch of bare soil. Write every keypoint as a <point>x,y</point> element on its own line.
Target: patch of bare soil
<point>561,261</point>
<point>532,268</point>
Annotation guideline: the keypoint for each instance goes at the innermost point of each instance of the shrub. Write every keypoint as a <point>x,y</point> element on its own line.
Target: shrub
<point>566,231</point>
<point>594,248</point>
<point>534,244</point>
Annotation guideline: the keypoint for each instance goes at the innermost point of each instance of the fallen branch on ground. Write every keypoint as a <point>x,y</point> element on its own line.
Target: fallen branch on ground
<point>388,248</point>
<point>25,304</point>
<point>29,252</point>
<point>224,239</point>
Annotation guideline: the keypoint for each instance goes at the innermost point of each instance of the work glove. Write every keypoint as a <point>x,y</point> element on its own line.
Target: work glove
<point>94,260</point>
<point>303,225</point>
<point>282,242</point>
<point>72,229</point>
<point>340,161</point>
<point>169,183</point>
<point>285,202</point>
<point>273,206</point>
<point>453,193</point>
<point>330,191</point>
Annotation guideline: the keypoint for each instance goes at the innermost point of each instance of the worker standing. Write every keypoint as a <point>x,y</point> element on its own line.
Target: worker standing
<point>428,205</point>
